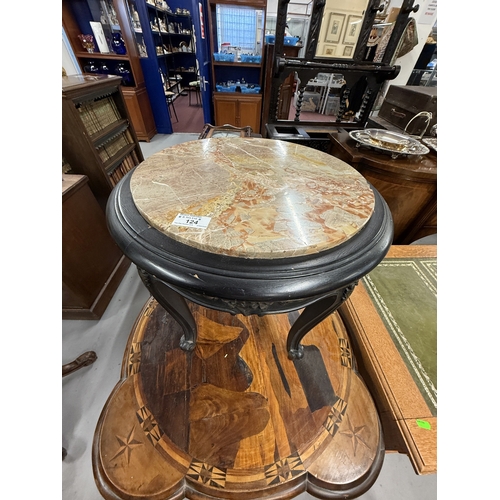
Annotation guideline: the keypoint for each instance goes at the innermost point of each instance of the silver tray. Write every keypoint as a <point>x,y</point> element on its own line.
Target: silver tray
<point>432,142</point>
<point>389,142</point>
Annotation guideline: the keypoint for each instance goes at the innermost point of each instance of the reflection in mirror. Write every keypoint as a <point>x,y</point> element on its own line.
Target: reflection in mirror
<point>326,97</point>
<point>340,28</point>
<point>317,99</point>
<point>297,21</point>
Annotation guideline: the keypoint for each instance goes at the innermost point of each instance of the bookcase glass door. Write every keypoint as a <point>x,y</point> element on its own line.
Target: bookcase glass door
<point>97,138</point>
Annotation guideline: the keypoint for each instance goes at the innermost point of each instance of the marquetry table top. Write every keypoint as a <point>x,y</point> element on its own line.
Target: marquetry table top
<point>252,198</point>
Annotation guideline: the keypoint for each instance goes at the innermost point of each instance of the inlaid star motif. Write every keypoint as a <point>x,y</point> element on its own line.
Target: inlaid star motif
<point>354,434</point>
<point>207,474</point>
<point>127,444</point>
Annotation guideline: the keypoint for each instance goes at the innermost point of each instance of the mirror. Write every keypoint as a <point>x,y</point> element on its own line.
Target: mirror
<point>322,98</point>
<point>345,58</point>
<point>340,28</point>
<point>316,99</point>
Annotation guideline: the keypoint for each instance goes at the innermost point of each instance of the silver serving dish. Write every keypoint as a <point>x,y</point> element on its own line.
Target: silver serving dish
<point>432,142</point>
<point>391,142</point>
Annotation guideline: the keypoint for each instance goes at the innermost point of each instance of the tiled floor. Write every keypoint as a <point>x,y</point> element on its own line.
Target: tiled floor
<point>84,393</point>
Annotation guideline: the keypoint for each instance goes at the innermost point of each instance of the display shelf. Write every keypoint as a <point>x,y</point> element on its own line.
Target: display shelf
<point>237,108</point>
<point>97,137</point>
<point>162,41</point>
<point>110,24</point>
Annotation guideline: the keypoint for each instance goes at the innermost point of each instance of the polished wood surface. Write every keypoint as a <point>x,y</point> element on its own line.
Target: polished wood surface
<point>399,401</point>
<point>92,264</point>
<point>407,184</point>
<point>239,110</point>
<point>235,418</point>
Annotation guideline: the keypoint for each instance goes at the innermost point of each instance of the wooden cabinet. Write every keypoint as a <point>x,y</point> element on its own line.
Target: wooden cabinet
<point>92,264</point>
<point>239,110</point>
<point>237,83</point>
<point>117,51</point>
<point>97,139</point>
<point>407,184</point>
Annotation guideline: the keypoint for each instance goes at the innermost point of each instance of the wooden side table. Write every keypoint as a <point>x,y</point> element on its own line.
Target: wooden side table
<point>237,379</point>
<point>407,184</point>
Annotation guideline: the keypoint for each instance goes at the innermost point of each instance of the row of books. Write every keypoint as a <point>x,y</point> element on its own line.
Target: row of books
<point>114,144</point>
<point>98,114</point>
<point>128,163</point>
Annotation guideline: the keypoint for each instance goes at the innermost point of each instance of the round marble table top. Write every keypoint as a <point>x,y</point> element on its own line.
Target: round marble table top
<point>252,197</point>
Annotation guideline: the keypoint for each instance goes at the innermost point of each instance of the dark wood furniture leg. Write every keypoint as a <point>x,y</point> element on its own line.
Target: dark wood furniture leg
<point>311,316</point>
<point>175,304</point>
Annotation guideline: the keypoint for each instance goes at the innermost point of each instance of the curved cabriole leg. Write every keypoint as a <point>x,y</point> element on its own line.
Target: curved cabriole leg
<point>311,316</point>
<point>175,305</point>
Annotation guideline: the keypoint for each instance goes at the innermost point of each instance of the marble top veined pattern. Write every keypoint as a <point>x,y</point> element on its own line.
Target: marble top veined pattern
<point>266,198</point>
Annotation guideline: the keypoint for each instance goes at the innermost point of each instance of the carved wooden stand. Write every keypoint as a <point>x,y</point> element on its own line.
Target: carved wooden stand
<point>235,417</point>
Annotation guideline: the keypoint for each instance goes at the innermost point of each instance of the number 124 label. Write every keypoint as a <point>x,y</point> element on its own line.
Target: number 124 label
<point>186,220</point>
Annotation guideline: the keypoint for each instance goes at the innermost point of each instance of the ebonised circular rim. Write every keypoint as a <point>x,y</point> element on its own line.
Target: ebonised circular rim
<point>246,279</point>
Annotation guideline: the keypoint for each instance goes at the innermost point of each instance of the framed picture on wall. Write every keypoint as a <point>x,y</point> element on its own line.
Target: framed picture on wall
<point>329,50</point>
<point>348,50</point>
<point>352,30</point>
<point>335,25</point>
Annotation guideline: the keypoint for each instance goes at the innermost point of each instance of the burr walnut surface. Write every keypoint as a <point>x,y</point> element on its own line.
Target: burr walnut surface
<point>265,198</point>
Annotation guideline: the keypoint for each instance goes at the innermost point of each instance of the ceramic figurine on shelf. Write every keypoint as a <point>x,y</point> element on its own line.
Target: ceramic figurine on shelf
<point>91,67</point>
<point>136,20</point>
<point>112,14</point>
<point>143,52</point>
<point>119,44</point>
<point>87,42</point>
<point>125,73</point>
<point>104,68</point>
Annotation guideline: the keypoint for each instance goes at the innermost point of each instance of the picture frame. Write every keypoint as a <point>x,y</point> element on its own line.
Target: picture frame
<point>352,30</point>
<point>335,27</point>
<point>329,50</point>
<point>348,50</point>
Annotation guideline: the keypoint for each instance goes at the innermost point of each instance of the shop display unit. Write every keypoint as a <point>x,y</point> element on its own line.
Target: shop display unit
<point>237,74</point>
<point>168,34</point>
<point>115,48</point>
<point>97,139</point>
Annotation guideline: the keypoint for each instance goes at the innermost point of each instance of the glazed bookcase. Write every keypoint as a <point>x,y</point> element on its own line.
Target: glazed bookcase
<point>97,137</point>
